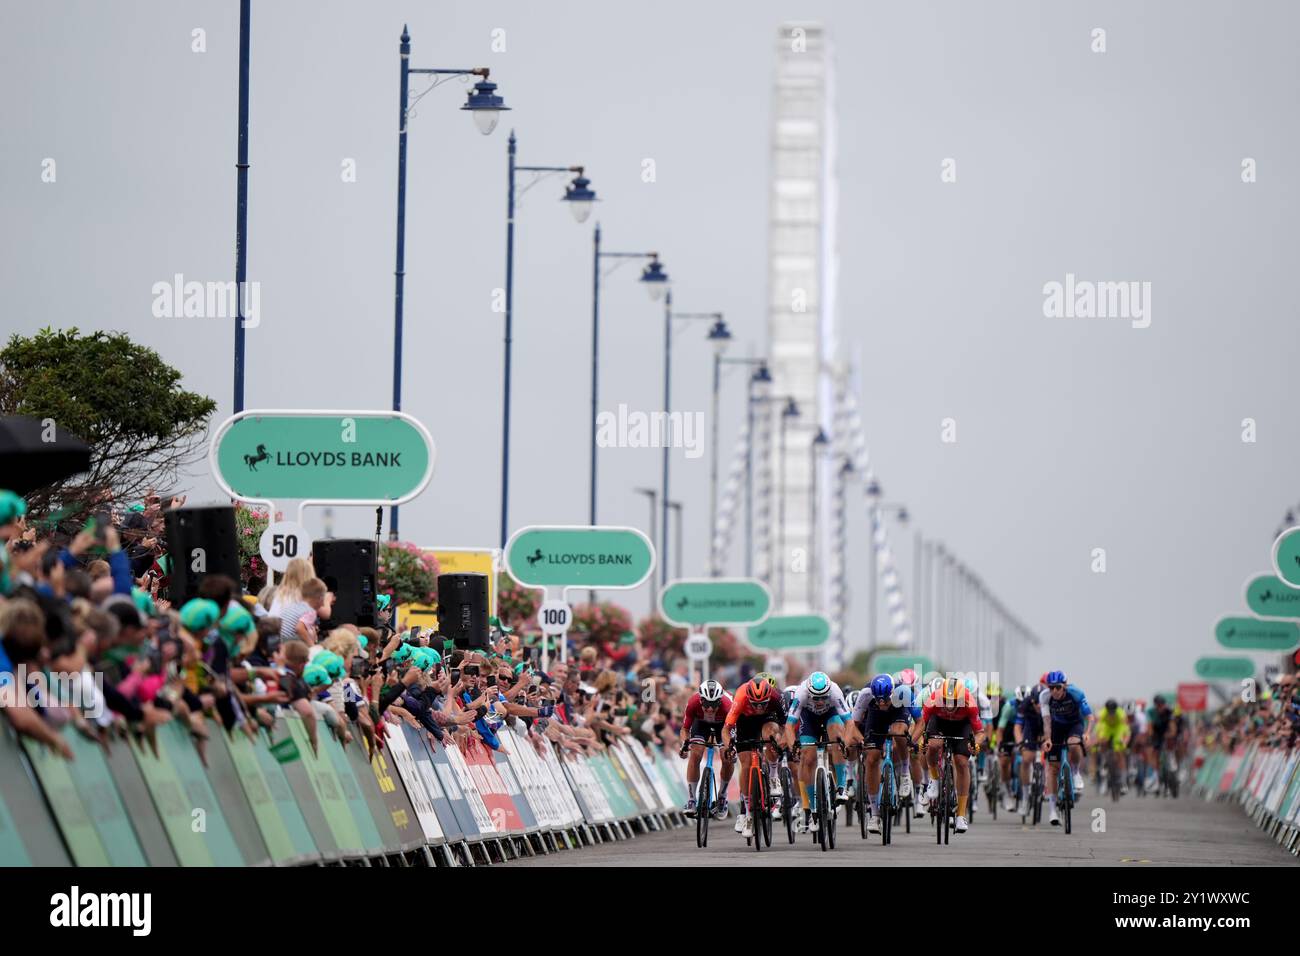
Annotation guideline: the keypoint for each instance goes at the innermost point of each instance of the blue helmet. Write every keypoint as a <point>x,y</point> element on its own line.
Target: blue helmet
<point>819,684</point>
<point>1056,677</point>
<point>882,687</point>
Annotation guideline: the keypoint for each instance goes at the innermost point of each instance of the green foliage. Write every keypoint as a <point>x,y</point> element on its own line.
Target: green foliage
<point>119,397</point>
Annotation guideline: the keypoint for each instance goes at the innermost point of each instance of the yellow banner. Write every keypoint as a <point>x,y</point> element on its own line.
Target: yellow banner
<point>450,562</point>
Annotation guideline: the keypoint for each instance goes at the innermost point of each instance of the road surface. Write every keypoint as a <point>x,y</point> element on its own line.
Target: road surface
<point>1133,832</point>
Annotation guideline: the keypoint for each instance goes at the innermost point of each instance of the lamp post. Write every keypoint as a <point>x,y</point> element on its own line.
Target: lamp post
<point>815,450</point>
<point>669,317</point>
<point>579,197</point>
<point>656,283</point>
<point>874,492</point>
<point>791,410</point>
<point>241,202</point>
<point>486,107</point>
<point>761,376</point>
<point>678,507</point>
<point>720,335</point>
<point>653,495</point>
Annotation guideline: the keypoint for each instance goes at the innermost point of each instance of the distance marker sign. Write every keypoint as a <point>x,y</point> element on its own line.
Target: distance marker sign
<point>715,601</point>
<point>326,456</point>
<point>579,556</point>
<point>790,631</point>
<point>1252,634</point>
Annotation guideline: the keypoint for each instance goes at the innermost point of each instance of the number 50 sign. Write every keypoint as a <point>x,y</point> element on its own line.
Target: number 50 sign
<point>281,542</point>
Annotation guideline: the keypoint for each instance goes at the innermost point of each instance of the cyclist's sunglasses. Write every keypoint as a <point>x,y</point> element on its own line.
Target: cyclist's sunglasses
<point>1056,686</point>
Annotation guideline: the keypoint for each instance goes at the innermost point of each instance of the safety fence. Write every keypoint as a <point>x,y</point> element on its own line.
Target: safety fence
<point>271,800</point>
<point>1264,780</point>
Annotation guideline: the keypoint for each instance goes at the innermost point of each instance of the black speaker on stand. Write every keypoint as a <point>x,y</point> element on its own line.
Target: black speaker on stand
<point>347,566</point>
<point>463,609</point>
<point>201,540</point>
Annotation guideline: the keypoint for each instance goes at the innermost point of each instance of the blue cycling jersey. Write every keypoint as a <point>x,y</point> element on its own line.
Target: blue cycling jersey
<point>1070,709</point>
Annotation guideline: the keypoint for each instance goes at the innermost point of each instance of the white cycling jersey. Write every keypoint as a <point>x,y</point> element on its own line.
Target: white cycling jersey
<point>804,700</point>
<point>1138,720</point>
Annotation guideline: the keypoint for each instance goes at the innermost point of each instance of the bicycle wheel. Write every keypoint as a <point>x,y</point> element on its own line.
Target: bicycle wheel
<point>757,804</point>
<point>851,805</point>
<point>860,798</point>
<point>704,808</point>
<point>831,818</point>
<point>995,788</point>
<point>820,795</point>
<point>1066,787</point>
<point>949,792</point>
<point>886,809</point>
<point>767,807</point>
<point>788,803</point>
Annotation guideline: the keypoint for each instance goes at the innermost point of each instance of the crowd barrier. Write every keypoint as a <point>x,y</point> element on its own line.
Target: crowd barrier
<point>1264,780</point>
<point>273,801</point>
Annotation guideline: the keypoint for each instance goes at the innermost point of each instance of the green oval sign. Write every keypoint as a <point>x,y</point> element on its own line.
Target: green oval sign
<point>1269,596</point>
<point>893,663</point>
<point>790,631</point>
<point>1286,556</point>
<point>715,601</point>
<point>379,457</point>
<point>579,556</point>
<point>1225,668</point>
<point>1252,634</point>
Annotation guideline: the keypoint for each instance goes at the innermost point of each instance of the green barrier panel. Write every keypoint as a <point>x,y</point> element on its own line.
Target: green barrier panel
<point>674,782</point>
<point>94,782</point>
<point>214,829</point>
<point>304,794</point>
<point>28,836</point>
<point>169,799</point>
<point>258,793</point>
<point>619,800</point>
<point>393,839</point>
<point>140,809</point>
<point>356,802</point>
<point>236,805</point>
<point>623,776</point>
<point>291,813</point>
<point>325,784</point>
<point>70,814</point>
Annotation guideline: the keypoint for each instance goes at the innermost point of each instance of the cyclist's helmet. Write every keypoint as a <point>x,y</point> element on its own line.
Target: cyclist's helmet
<point>767,677</point>
<point>972,685</point>
<point>819,685</point>
<point>1112,704</point>
<point>852,698</point>
<point>788,695</point>
<point>935,686</point>
<point>1055,677</point>
<point>907,677</point>
<point>882,687</point>
<point>1159,700</point>
<point>760,691</point>
<point>953,691</point>
<point>994,690</point>
<point>1021,693</point>
<point>710,692</point>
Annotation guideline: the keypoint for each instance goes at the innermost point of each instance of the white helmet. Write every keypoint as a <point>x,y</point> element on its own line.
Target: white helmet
<point>934,686</point>
<point>710,692</point>
<point>1021,693</point>
<point>852,699</point>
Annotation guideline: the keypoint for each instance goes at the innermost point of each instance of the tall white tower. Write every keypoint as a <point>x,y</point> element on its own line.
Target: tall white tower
<point>792,549</point>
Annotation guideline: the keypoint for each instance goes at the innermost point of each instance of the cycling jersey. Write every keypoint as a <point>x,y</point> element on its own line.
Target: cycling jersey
<point>966,709</point>
<point>698,710</point>
<point>804,702</point>
<point>1071,709</point>
<point>904,705</point>
<point>1139,721</point>
<point>1113,728</point>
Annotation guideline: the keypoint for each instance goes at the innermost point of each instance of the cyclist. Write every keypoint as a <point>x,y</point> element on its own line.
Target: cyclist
<point>706,712</point>
<point>1138,723</point>
<point>911,693</point>
<point>1165,726</point>
<point>987,715</point>
<point>952,712</point>
<point>756,715</point>
<point>1112,733</point>
<point>1006,739</point>
<point>818,706</point>
<point>1028,733</point>
<point>1068,720</point>
<point>882,710</point>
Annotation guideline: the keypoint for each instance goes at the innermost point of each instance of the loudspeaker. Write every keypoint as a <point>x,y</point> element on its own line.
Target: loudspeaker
<point>347,566</point>
<point>201,540</point>
<point>463,609</point>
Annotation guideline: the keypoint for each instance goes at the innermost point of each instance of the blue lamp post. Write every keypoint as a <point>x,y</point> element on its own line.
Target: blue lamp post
<point>580,198</point>
<point>718,335</point>
<point>655,280</point>
<point>486,107</point>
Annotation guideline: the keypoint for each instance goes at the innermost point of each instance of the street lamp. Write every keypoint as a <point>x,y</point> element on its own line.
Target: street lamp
<point>718,338</point>
<point>874,491</point>
<point>656,281</point>
<point>816,449</point>
<point>579,197</point>
<point>678,508</point>
<point>790,411</point>
<point>653,495</point>
<point>486,107</point>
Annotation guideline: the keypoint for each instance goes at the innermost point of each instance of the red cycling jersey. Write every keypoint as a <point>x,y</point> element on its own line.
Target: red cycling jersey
<point>696,709</point>
<point>966,710</point>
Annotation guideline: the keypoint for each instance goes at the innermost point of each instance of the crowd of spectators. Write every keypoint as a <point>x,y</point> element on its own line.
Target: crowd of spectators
<point>1269,718</point>
<point>90,639</point>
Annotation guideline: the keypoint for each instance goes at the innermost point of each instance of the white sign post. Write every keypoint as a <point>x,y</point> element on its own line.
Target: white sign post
<point>281,542</point>
<point>698,649</point>
<point>554,618</point>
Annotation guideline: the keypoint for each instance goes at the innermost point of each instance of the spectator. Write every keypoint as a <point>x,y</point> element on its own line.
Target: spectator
<point>298,620</point>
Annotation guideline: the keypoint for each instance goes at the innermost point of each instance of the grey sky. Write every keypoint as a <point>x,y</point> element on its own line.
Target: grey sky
<point>1072,433</point>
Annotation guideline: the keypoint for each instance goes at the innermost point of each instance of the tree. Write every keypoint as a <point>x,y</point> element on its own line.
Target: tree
<point>120,398</point>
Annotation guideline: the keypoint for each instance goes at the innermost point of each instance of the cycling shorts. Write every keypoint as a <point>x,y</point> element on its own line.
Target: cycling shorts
<point>876,727</point>
<point>812,726</point>
<point>939,727</point>
<point>1061,733</point>
<point>747,732</point>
